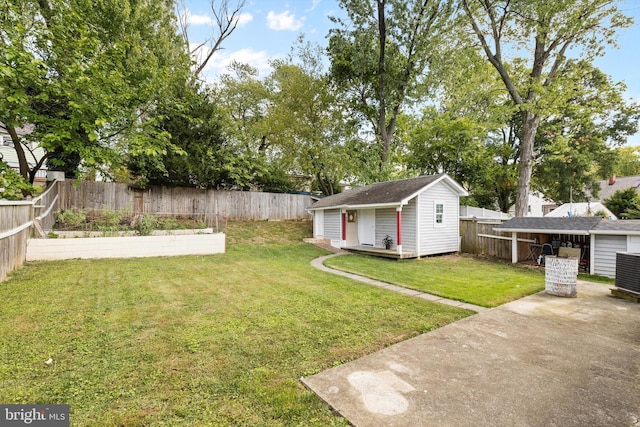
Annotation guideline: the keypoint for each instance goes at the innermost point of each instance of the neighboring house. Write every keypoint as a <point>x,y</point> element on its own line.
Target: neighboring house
<point>420,215</point>
<point>32,152</point>
<point>471,212</point>
<point>538,206</point>
<point>602,239</point>
<point>615,183</point>
<point>581,209</point>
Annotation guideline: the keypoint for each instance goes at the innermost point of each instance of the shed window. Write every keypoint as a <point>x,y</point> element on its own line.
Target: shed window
<point>439,213</point>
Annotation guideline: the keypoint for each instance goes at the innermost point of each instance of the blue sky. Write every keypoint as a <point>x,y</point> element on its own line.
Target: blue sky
<point>269,28</point>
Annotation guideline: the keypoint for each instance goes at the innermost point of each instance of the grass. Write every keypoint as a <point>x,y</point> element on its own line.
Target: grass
<point>198,340</point>
<point>463,278</point>
<point>596,278</point>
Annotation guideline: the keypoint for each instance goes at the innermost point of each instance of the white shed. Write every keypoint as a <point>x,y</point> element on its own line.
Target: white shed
<point>419,215</point>
<point>610,237</point>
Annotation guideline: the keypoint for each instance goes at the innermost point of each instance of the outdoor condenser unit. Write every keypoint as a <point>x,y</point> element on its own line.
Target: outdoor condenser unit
<point>628,271</point>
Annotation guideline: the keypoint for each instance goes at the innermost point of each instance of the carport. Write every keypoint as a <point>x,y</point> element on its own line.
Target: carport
<point>573,232</point>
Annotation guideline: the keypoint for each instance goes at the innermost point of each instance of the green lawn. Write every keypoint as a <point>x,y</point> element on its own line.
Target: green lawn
<point>462,278</point>
<point>198,340</point>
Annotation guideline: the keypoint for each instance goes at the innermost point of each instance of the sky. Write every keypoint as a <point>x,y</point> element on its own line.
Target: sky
<point>267,30</point>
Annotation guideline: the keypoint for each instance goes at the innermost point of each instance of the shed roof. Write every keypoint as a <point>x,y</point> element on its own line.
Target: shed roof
<point>384,193</point>
<point>620,227</point>
<point>572,225</point>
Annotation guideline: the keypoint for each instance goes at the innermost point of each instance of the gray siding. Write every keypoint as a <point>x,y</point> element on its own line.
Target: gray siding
<point>438,239</point>
<point>386,224</point>
<point>605,250</point>
<point>409,226</point>
<point>332,224</point>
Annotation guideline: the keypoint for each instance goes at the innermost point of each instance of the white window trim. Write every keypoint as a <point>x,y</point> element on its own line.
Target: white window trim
<point>435,214</point>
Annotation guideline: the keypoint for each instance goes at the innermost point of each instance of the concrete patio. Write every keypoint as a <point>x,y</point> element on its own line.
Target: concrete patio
<point>539,361</point>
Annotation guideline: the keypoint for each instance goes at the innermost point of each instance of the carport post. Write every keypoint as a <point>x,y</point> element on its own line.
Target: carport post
<point>514,247</point>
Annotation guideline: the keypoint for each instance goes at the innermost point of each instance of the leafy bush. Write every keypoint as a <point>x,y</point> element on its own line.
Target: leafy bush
<point>12,185</point>
<point>144,225</point>
<point>109,220</point>
<point>625,204</point>
<point>71,219</point>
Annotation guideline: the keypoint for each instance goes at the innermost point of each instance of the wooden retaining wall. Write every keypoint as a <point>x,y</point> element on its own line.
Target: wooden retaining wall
<point>202,204</point>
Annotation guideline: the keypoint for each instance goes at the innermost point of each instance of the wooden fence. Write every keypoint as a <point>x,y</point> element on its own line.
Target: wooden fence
<point>478,237</point>
<point>208,205</point>
<point>16,220</point>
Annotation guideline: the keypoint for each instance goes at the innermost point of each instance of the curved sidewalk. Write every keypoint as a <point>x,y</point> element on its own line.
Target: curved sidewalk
<point>319,264</point>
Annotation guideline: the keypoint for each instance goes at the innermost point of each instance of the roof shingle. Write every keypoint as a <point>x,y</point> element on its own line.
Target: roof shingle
<point>378,193</point>
<point>552,225</point>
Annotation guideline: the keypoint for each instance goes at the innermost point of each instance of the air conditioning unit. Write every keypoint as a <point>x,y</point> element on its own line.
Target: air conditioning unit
<point>628,271</point>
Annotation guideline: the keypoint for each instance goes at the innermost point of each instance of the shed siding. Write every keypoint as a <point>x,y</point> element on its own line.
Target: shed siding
<point>605,250</point>
<point>332,224</point>
<point>442,238</point>
<point>386,224</point>
<point>409,226</point>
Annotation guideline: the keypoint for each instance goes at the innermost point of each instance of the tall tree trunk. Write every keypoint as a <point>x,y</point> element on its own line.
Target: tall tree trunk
<point>382,40</point>
<point>530,124</point>
<point>22,157</point>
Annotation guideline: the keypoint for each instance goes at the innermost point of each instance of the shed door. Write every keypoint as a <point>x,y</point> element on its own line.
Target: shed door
<point>318,224</point>
<point>367,227</point>
<point>633,244</point>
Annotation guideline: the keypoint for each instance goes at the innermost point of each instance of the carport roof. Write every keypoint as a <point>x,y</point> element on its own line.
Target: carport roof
<point>621,227</point>
<point>571,225</point>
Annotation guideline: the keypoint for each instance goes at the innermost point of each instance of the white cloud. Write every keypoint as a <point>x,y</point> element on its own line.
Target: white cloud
<point>195,19</point>
<point>221,59</point>
<point>284,21</point>
<point>244,19</point>
<point>314,4</point>
<point>199,19</point>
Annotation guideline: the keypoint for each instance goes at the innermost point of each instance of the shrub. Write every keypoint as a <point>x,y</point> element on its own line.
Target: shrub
<point>12,185</point>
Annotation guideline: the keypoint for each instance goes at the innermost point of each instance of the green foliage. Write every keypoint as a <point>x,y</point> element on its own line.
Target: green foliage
<point>627,161</point>
<point>574,144</point>
<point>144,225</point>
<point>625,204</point>
<point>86,76</point>
<point>539,85</point>
<point>109,220</point>
<point>444,143</point>
<point>381,59</point>
<point>14,186</point>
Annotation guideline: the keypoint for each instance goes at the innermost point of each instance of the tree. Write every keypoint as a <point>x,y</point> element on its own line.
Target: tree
<point>226,18</point>
<point>306,123</point>
<point>86,76</point>
<point>625,204</point>
<point>627,161</point>
<point>550,31</point>
<point>380,58</point>
<point>575,144</point>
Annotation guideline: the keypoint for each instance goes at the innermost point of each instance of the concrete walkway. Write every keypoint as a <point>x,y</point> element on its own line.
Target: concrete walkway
<point>319,264</point>
<point>539,361</point>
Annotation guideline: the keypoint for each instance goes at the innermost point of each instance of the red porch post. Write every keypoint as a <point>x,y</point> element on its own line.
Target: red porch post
<point>399,229</point>
<point>344,228</point>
